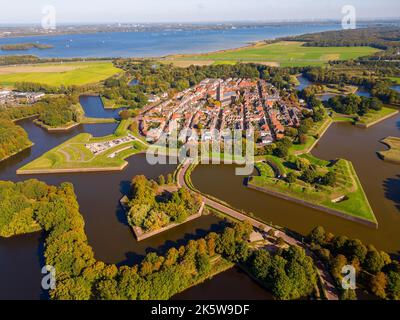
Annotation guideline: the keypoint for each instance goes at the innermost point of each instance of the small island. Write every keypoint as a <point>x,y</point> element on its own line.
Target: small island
<point>156,206</point>
<point>85,153</point>
<point>393,154</point>
<point>25,46</point>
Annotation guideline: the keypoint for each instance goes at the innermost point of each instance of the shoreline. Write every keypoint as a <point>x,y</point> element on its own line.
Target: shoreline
<point>71,170</point>
<point>321,134</point>
<point>318,207</point>
<point>141,235</point>
<point>367,125</point>
<point>51,129</point>
<point>16,152</point>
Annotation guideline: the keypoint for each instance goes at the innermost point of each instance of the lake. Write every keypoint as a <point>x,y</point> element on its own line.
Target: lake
<point>156,44</point>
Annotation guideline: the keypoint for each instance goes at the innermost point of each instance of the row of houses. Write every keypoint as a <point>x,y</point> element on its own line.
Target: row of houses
<point>217,104</point>
<point>8,97</point>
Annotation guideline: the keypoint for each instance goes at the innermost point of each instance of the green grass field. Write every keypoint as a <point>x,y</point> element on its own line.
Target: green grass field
<point>285,54</point>
<point>67,74</point>
<point>395,79</point>
<point>347,185</point>
<point>317,130</point>
<point>73,154</point>
<point>372,116</point>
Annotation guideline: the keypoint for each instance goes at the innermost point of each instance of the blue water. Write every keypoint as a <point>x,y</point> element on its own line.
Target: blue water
<point>397,88</point>
<point>93,107</point>
<point>133,83</point>
<point>156,44</point>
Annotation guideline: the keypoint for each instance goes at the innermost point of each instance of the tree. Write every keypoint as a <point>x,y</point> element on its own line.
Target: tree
<point>261,262</point>
<point>393,285</point>
<point>281,151</point>
<point>317,235</point>
<point>378,285</point>
<point>355,248</point>
<point>348,294</point>
<point>308,175</point>
<point>161,180</point>
<point>170,179</point>
<point>337,266</point>
<point>303,138</point>
<point>291,177</point>
<point>203,263</point>
<point>302,163</point>
<point>373,262</point>
<point>329,179</point>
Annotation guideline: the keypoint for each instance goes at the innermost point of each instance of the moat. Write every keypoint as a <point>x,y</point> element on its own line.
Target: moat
<point>113,241</point>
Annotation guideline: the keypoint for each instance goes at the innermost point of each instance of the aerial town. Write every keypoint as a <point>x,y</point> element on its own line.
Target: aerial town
<point>220,105</point>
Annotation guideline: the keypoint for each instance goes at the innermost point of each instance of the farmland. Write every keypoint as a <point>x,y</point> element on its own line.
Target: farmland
<point>57,74</point>
<point>284,54</point>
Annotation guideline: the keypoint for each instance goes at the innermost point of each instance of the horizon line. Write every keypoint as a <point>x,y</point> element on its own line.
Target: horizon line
<point>214,22</point>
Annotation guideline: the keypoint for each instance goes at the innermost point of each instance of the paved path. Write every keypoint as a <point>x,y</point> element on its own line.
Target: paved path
<point>327,279</point>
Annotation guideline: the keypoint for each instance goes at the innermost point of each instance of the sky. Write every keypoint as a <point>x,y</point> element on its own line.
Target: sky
<point>107,11</point>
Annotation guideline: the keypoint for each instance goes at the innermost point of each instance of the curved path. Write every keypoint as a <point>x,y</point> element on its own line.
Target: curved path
<point>326,278</point>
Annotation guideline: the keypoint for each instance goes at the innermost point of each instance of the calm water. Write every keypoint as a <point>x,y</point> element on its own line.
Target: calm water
<point>236,286</point>
<point>155,44</point>
<point>381,182</point>
<point>304,83</point>
<point>98,195</point>
<point>397,88</point>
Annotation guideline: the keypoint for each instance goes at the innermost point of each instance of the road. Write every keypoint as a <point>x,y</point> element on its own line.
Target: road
<point>326,278</point>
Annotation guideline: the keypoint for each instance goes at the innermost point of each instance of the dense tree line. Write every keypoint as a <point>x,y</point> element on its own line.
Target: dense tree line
<point>376,271</point>
<point>30,205</point>
<point>27,59</point>
<point>158,78</point>
<point>13,139</point>
<point>150,209</point>
<point>59,111</point>
<point>377,37</point>
<point>353,104</point>
<point>37,87</point>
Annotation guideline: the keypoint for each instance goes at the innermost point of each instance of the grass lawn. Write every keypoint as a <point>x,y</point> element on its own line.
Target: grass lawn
<point>73,154</point>
<point>373,116</point>
<point>393,154</point>
<point>395,79</point>
<point>347,188</point>
<point>57,74</point>
<point>318,129</point>
<point>285,54</point>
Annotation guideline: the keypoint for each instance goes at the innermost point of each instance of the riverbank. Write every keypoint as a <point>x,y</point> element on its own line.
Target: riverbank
<point>16,152</point>
<point>345,198</point>
<point>313,136</point>
<point>315,206</point>
<point>141,234</point>
<point>375,117</point>
<point>393,154</point>
<point>67,127</point>
<point>75,155</point>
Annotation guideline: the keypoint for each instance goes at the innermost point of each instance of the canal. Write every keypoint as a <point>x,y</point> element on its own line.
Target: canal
<point>381,182</point>
<point>98,195</point>
<point>21,257</point>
